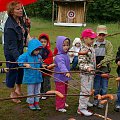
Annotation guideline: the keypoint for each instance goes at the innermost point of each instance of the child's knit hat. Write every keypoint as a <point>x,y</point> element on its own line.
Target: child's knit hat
<point>102,29</point>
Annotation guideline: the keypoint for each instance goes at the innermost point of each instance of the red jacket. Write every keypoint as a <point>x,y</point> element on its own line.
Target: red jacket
<point>55,51</point>
<point>47,54</point>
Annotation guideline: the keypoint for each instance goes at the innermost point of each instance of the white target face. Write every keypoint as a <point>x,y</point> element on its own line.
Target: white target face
<point>71,14</point>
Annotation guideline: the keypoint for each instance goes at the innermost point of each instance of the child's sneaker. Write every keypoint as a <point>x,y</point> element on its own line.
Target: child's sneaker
<point>95,102</point>
<point>37,107</point>
<point>66,105</point>
<point>84,112</point>
<point>32,107</point>
<point>62,110</point>
<point>117,108</point>
<point>89,104</point>
<point>100,106</point>
<point>36,104</point>
<point>43,98</point>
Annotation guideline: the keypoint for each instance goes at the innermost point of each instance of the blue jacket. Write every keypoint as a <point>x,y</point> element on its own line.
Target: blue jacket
<point>61,60</point>
<point>31,76</point>
<point>13,38</point>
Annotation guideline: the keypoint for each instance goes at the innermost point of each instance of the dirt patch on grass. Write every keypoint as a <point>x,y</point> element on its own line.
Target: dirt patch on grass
<point>74,116</point>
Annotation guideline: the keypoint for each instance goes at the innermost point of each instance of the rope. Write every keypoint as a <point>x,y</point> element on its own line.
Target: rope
<point>58,79</point>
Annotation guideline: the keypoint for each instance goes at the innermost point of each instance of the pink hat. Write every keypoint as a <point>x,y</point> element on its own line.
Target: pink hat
<point>88,33</point>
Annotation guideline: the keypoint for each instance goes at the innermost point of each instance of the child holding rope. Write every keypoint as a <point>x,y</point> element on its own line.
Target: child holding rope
<point>47,57</point>
<point>32,78</point>
<point>104,53</point>
<point>117,106</point>
<point>62,62</point>
<point>86,63</point>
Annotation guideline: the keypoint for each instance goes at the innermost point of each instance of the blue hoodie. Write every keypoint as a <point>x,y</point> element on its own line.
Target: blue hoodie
<point>61,60</point>
<point>31,76</point>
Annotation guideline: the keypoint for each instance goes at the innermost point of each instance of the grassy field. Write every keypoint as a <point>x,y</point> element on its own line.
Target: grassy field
<point>11,111</point>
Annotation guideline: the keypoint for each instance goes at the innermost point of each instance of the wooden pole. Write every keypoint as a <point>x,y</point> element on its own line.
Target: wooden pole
<point>85,12</point>
<point>53,12</point>
<point>41,95</point>
<point>106,111</point>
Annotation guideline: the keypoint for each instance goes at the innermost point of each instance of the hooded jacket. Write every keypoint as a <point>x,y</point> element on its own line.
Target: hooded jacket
<point>61,60</point>
<point>46,54</point>
<point>31,76</point>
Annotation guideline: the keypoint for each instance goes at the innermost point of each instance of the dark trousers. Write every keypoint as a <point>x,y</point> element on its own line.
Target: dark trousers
<point>45,85</point>
<point>13,76</point>
<point>74,62</point>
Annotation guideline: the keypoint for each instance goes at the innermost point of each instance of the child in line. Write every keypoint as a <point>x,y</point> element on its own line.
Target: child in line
<point>74,55</point>
<point>62,62</point>
<point>55,51</point>
<point>32,78</point>
<point>104,53</point>
<point>86,63</point>
<point>117,106</point>
<point>47,57</point>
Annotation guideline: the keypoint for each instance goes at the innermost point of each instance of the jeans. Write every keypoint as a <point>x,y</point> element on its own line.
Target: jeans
<point>74,62</point>
<point>118,95</point>
<point>33,89</point>
<point>100,85</point>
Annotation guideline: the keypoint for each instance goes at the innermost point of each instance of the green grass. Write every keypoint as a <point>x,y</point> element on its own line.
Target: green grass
<point>11,111</point>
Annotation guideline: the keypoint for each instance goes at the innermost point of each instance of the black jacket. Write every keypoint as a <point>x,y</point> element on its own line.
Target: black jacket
<point>118,59</point>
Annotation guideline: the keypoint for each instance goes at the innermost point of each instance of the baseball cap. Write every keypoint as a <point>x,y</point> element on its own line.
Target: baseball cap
<point>88,33</point>
<point>102,29</point>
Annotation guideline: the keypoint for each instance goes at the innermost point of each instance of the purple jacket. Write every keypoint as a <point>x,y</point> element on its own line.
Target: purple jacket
<point>61,60</point>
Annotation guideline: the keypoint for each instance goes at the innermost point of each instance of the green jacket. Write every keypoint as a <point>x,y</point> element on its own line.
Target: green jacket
<point>109,53</point>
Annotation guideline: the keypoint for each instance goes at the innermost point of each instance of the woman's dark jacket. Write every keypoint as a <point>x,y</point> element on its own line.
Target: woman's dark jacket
<point>13,38</point>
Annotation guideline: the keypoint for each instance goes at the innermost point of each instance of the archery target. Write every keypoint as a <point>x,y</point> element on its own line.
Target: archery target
<point>71,14</point>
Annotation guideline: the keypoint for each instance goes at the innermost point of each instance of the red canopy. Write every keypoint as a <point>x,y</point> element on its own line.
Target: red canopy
<point>4,3</point>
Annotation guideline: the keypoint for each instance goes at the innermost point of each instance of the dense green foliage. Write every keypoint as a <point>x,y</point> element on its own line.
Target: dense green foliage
<point>42,8</point>
<point>99,10</point>
<point>104,11</point>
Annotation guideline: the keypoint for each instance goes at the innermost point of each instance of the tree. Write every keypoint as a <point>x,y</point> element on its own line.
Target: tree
<point>98,11</point>
<point>42,8</point>
<point>104,11</point>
